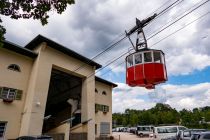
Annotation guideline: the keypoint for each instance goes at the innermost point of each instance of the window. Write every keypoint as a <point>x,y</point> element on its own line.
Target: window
<point>105,128</point>
<point>96,91</point>
<point>143,128</point>
<point>195,136</point>
<point>96,129</point>
<point>171,130</point>
<point>130,61</point>
<point>103,108</point>
<point>14,67</point>
<point>104,93</point>
<point>157,57</point>
<point>182,128</point>
<point>138,58</point>
<point>147,57</point>
<point>161,130</point>
<point>10,94</point>
<point>97,107</point>
<point>186,134</point>
<point>167,130</point>
<point>2,129</point>
<point>206,136</point>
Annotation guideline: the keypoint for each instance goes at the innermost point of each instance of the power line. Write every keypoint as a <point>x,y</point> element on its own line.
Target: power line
<point>186,25</point>
<point>162,30</point>
<point>117,65</point>
<point>161,13</point>
<point>178,16</point>
<point>108,48</point>
<point>115,44</point>
<point>181,28</point>
<point>170,7</point>
<point>178,19</point>
<point>159,7</point>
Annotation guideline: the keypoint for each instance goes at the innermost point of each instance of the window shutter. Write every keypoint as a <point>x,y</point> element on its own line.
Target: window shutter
<point>104,128</point>
<point>1,88</point>
<point>107,108</point>
<point>97,107</point>
<point>18,94</point>
<point>101,107</point>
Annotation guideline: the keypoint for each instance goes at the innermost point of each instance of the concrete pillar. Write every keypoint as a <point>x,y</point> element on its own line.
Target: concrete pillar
<point>33,113</point>
<point>88,106</point>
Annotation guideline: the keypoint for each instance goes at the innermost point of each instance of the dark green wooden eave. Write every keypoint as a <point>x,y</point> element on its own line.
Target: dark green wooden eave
<point>40,39</point>
<point>105,81</point>
<point>18,49</point>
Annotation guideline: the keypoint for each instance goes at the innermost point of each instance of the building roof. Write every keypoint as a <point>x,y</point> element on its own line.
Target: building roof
<point>39,39</point>
<point>105,81</point>
<point>18,49</point>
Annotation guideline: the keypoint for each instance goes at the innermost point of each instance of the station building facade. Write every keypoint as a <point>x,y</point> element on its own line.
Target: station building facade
<point>46,88</point>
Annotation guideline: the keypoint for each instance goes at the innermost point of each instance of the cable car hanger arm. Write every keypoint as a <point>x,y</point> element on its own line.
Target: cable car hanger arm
<point>139,29</point>
<point>140,24</point>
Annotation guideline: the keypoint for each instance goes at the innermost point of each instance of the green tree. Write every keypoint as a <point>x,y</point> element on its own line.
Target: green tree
<point>35,9</point>
<point>164,114</point>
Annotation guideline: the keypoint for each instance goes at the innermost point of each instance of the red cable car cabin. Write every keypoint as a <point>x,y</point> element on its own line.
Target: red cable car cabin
<point>146,68</point>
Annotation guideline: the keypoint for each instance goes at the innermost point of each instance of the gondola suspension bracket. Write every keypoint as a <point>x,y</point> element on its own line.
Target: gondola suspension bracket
<point>145,67</point>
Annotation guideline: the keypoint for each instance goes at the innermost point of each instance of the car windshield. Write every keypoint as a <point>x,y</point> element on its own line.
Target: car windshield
<point>182,128</point>
<point>167,130</point>
<point>143,128</point>
<point>195,137</point>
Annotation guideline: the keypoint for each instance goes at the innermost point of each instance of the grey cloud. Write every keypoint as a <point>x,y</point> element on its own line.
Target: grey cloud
<point>88,26</point>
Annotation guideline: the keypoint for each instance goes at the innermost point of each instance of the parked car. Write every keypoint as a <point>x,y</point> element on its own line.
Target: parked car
<point>42,137</point>
<point>201,136</point>
<point>119,129</point>
<point>166,132</point>
<point>186,134</point>
<point>145,130</point>
<point>133,130</point>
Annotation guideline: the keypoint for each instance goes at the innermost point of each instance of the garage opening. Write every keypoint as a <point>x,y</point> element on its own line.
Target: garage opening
<point>64,100</point>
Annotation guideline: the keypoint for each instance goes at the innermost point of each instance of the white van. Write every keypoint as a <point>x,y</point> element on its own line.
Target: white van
<point>145,130</point>
<point>164,132</point>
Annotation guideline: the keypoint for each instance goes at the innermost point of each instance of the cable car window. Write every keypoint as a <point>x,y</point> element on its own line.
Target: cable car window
<point>130,61</point>
<point>147,57</point>
<point>138,58</point>
<point>157,57</point>
<point>162,58</point>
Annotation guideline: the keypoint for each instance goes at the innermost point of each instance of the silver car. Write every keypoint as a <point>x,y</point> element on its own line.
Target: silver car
<point>186,134</point>
<point>201,136</point>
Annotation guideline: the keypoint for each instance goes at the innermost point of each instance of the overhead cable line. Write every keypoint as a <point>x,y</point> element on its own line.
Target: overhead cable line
<point>115,44</point>
<point>108,48</point>
<point>181,28</point>
<point>170,7</point>
<point>161,30</point>
<point>186,25</point>
<point>178,19</point>
<point>177,16</point>
<point>117,65</point>
<point>159,7</point>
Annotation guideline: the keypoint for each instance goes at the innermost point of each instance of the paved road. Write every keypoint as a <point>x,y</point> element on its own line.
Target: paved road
<point>126,136</point>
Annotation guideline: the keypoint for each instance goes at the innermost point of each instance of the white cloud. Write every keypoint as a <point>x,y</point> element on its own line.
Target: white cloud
<point>188,96</point>
<point>177,96</point>
<point>89,26</point>
<point>129,97</point>
<point>187,62</point>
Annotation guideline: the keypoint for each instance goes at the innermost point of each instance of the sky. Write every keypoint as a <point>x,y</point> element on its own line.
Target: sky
<point>89,27</point>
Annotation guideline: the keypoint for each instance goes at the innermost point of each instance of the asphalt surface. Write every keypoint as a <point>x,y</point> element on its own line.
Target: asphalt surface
<point>127,136</point>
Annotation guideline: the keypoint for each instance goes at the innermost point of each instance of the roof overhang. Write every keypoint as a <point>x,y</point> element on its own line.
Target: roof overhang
<point>18,49</point>
<point>105,82</point>
<point>40,39</point>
